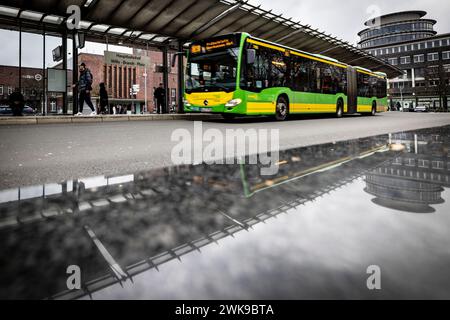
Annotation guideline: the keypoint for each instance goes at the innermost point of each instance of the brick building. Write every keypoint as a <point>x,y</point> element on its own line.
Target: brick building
<point>119,79</point>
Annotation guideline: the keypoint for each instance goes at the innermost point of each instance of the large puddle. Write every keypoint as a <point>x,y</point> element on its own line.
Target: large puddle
<point>228,232</point>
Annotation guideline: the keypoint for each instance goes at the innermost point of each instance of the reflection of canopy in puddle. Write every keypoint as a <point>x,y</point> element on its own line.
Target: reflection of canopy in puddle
<point>196,245</point>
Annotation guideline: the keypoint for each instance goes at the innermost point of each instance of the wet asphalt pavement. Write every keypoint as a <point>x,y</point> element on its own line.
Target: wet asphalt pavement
<point>227,232</point>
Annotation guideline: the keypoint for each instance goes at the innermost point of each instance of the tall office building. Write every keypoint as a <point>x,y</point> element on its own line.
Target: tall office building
<point>409,41</point>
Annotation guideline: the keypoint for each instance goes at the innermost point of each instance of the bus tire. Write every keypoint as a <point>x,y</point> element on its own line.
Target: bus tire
<point>374,109</point>
<point>372,112</point>
<point>282,109</point>
<point>339,108</point>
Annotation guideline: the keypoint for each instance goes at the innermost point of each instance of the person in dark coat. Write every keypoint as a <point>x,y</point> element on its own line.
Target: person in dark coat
<point>17,103</point>
<point>160,98</point>
<point>103,99</point>
<point>84,88</point>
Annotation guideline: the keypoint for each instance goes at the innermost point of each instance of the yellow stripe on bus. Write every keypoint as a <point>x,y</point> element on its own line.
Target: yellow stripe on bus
<point>263,44</point>
<point>364,108</point>
<point>310,107</point>
<point>266,45</point>
<point>260,107</point>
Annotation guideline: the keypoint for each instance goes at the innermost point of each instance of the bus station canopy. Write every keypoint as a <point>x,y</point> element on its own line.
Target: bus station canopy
<point>166,22</point>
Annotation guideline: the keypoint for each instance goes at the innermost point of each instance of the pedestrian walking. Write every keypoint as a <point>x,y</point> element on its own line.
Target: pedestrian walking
<point>103,98</point>
<point>17,103</point>
<point>84,88</point>
<point>160,98</point>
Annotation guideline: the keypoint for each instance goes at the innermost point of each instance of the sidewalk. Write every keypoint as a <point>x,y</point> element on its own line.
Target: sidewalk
<point>103,118</point>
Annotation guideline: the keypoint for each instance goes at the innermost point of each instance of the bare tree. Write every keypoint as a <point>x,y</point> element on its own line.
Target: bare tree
<point>438,83</point>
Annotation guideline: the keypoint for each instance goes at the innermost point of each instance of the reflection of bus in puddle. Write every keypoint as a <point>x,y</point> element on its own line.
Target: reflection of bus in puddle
<point>301,163</point>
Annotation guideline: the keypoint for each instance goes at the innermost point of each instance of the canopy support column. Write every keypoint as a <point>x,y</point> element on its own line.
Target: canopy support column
<point>166,78</point>
<point>64,45</point>
<point>180,75</point>
<point>74,75</point>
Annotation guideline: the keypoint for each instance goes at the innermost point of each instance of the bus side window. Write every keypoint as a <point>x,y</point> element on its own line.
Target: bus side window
<point>300,74</point>
<point>381,88</point>
<point>256,76</point>
<point>363,85</point>
<point>316,77</point>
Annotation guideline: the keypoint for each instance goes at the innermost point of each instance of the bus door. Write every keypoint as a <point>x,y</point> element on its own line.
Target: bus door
<point>352,90</point>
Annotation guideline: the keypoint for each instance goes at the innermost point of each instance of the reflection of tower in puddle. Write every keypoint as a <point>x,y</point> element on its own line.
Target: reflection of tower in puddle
<point>414,181</point>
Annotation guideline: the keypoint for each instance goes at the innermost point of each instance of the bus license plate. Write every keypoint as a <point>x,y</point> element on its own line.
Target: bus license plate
<point>205,109</point>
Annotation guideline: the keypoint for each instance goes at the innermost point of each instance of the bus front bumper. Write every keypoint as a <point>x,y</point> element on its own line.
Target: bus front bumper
<point>239,109</point>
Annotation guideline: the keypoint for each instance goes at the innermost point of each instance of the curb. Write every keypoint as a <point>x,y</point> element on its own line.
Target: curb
<point>6,121</point>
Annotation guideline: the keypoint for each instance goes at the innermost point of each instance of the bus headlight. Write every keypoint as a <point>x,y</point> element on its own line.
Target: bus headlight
<point>233,103</point>
<point>186,103</point>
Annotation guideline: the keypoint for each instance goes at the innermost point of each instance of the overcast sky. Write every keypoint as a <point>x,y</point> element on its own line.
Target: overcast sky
<point>340,18</point>
<point>346,18</point>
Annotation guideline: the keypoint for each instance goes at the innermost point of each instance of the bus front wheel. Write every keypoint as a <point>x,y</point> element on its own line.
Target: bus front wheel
<point>282,109</point>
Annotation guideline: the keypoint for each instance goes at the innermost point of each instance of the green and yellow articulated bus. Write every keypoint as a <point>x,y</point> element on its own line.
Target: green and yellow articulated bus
<point>238,74</point>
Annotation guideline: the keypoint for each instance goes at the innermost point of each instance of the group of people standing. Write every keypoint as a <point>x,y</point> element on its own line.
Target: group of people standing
<point>84,86</point>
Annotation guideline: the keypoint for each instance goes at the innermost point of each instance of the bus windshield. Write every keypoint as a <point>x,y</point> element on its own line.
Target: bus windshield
<point>213,72</point>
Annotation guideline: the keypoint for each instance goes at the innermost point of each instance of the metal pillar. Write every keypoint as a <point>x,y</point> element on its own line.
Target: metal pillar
<point>44,76</point>
<point>20,56</point>
<point>146,84</point>
<point>166,78</point>
<point>74,75</point>
<point>64,44</point>
<point>180,75</point>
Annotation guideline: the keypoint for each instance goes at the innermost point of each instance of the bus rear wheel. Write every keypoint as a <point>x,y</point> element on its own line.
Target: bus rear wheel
<point>282,109</point>
<point>340,109</point>
<point>374,109</point>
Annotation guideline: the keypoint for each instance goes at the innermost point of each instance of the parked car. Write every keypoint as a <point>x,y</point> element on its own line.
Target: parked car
<point>421,109</point>
<point>29,111</point>
<point>7,111</point>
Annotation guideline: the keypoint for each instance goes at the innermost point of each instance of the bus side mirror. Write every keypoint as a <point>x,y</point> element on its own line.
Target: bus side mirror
<point>251,56</point>
<point>178,55</point>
